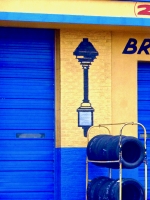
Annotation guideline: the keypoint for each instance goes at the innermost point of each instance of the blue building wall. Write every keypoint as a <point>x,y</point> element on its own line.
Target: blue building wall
<point>71,176</point>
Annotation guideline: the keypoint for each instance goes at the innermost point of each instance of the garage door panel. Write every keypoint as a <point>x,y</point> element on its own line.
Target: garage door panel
<point>144,103</point>
<point>22,165</point>
<point>25,181</point>
<point>28,57</point>
<point>20,85</point>
<point>145,93</point>
<point>27,104</point>
<point>27,195</point>
<point>12,134</point>
<point>27,149</point>
<point>27,113</point>
<point>23,155</point>
<point>24,176</point>
<point>34,94</point>
<point>144,112</point>
<point>30,144</point>
<point>25,73</point>
<point>29,118</point>
<point>16,64</point>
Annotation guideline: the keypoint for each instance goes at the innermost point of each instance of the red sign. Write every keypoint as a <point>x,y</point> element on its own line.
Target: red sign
<point>142,9</point>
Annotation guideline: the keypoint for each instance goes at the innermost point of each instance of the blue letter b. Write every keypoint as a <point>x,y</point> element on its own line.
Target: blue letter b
<point>130,47</point>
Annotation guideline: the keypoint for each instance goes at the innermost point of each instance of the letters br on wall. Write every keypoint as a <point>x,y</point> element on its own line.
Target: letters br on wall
<point>131,46</point>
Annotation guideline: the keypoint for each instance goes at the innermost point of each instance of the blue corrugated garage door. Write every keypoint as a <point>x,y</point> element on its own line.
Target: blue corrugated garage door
<point>144,112</point>
<point>26,113</point>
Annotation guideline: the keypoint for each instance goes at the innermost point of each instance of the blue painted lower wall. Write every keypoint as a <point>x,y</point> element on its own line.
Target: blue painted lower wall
<point>71,173</point>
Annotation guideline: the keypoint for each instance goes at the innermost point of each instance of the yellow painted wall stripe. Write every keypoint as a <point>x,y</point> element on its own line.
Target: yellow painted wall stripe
<point>72,7</point>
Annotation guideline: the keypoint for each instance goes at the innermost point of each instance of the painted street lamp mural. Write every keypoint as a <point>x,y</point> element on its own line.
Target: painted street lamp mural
<point>85,53</point>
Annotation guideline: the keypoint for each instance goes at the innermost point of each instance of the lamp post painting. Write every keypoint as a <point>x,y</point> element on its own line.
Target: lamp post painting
<point>85,53</point>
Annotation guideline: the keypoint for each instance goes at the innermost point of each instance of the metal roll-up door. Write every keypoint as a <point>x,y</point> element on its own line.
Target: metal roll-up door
<point>144,112</point>
<point>26,113</point>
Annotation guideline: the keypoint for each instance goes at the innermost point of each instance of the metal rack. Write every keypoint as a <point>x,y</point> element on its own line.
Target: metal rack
<point>120,155</point>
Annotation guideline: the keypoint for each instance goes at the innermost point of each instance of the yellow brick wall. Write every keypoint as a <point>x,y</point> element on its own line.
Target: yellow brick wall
<point>71,84</point>
<point>124,80</point>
